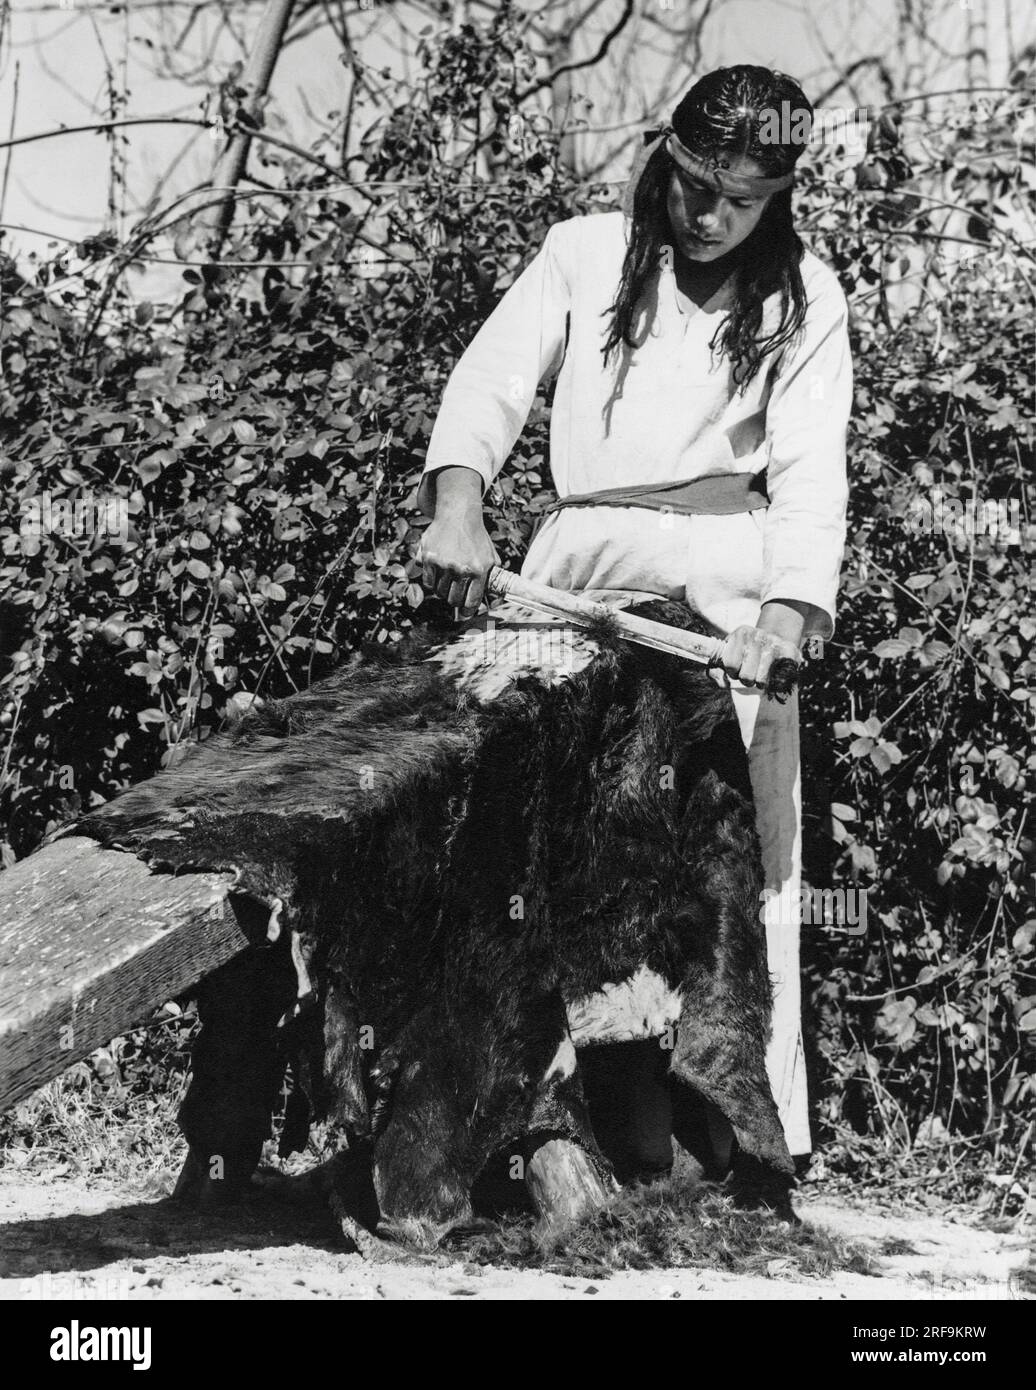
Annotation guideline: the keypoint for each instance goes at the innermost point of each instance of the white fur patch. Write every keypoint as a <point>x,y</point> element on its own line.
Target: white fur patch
<point>495,649</point>
<point>564,1062</point>
<point>643,1006</point>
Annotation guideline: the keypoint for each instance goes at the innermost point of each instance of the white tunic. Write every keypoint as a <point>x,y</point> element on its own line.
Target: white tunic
<point>668,412</point>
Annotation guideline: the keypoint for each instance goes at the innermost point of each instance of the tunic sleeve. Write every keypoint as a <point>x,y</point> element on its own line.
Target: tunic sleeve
<point>491,390</point>
<point>807,417</point>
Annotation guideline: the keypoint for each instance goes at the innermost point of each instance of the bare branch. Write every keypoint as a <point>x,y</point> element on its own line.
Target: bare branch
<point>96,127</point>
<point>870,61</point>
<point>256,82</point>
<point>606,43</point>
<point>14,114</point>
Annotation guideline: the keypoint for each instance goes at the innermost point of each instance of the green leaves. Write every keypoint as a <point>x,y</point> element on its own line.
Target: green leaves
<point>868,743</point>
<point>1024,939</point>
<point>933,658</point>
<point>912,642</point>
<point>151,467</point>
<point>897,1022</point>
<point>1025,1015</point>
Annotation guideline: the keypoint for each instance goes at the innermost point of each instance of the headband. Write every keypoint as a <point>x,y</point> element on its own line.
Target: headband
<point>721,180</point>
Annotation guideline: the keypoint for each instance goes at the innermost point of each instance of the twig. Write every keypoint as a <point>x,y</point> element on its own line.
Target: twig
<point>96,127</point>
<point>602,50</point>
<point>10,740</point>
<point>193,673</point>
<point>275,646</point>
<point>339,559</point>
<point>10,152</point>
<point>1017,1164</point>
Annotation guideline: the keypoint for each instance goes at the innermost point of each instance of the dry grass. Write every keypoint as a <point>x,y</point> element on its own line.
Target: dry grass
<point>67,1129</point>
<point>951,1171</point>
<point>673,1224</point>
<point>112,1115</point>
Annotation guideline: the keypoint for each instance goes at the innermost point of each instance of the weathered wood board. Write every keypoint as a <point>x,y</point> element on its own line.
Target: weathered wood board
<point>91,941</point>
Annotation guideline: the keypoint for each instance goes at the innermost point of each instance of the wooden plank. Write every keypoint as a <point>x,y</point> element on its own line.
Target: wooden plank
<point>91,942</point>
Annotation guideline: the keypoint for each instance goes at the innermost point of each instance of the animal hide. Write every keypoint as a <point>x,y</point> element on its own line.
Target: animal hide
<point>450,871</point>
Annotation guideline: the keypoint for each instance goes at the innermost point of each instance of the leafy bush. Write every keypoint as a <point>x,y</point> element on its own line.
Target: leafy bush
<point>265,438</point>
<point>926,1024</point>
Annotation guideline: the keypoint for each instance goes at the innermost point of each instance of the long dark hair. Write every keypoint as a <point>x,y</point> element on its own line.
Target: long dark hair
<point>722,116</point>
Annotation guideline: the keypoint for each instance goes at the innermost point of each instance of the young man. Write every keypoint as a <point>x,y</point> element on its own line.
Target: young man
<point>697,442</point>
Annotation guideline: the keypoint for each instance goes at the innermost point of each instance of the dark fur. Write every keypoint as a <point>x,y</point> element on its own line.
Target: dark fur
<point>403,894</point>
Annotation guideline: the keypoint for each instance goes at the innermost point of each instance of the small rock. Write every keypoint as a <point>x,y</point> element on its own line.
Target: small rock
<point>591,1288</point>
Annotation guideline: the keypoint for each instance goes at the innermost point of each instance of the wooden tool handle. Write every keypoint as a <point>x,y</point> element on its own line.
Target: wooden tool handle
<point>581,611</point>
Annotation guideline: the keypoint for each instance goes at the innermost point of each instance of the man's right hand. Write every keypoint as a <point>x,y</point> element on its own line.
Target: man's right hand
<point>456,552</point>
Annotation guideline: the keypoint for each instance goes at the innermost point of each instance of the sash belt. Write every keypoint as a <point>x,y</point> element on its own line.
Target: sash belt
<point>722,494</point>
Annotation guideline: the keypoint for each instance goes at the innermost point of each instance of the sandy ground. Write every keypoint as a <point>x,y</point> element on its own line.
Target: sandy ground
<point>64,1240</point>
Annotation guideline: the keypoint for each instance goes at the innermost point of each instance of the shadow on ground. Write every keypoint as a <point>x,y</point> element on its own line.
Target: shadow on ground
<point>143,1230</point>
